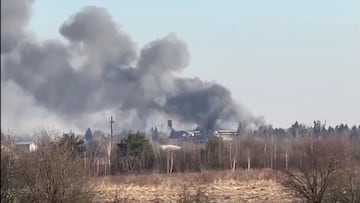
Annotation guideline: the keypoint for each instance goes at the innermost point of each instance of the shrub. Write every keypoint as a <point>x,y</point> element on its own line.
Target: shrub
<point>7,187</point>
<point>199,197</point>
<point>319,174</point>
<point>51,174</point>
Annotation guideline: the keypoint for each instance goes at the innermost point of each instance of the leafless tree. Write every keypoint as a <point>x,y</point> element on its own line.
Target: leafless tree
<point>51,174</point>
<point>7,187</point>
<point>322,161</point>
<point>347,187</point>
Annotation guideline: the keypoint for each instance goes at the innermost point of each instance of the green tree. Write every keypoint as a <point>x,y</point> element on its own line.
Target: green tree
<point>294,129</point>
<point>354,133</point>
<point>74,143</point>
<point>317,127</point>
<point>215,153</point>
<point>138,152</point>
<point>240,130</point>
<point>155,134</point>
<point>88,136</point>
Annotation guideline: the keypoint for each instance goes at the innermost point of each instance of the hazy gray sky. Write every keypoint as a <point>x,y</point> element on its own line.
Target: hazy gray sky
<point>285,60</point>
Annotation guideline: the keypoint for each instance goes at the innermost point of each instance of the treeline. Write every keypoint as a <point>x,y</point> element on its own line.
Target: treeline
<point>264,148</point>
<point>318,129</point>
<point>317,161</point>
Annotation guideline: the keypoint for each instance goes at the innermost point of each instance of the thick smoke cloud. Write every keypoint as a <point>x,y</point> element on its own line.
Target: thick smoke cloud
<point>204,106</point>
<point>101,41</point>
<point>20,112</point>
<point>14,16</point>
<point>111,74</point>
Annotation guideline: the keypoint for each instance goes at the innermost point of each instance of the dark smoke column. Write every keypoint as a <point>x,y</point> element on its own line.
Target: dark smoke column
<point>114,74</point>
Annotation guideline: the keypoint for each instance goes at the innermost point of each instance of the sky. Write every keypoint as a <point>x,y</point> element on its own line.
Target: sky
<point>284,60</point>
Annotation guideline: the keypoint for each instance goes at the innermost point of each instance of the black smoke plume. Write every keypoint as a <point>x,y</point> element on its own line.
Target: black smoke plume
<point>99,68</point>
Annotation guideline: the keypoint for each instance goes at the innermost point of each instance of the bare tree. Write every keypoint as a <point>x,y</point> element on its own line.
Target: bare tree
<point>314,179</point>
<point>347,187</point>
<point>51,174</point>
<point>7,187</point>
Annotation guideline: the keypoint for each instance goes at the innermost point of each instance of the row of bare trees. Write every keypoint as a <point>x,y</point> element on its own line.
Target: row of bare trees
<point>244,152</point>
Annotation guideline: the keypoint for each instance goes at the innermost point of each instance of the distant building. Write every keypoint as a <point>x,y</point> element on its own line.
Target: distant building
<point>26,146</point>
<point>189,136</point>
<point>226,135</point>
<point>200,136</point>
<point>180,134</point>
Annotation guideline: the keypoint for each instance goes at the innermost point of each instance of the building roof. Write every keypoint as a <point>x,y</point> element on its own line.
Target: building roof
<point>24,143</point>
<point>170,147</point>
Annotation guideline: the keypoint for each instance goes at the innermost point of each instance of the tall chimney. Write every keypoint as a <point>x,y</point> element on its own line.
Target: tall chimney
<point>170,123</point>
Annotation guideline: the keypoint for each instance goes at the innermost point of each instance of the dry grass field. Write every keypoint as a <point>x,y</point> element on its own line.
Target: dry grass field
<point>225,186</point>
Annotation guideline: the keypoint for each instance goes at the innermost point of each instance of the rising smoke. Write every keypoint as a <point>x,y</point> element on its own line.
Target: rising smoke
<point>100,69</point>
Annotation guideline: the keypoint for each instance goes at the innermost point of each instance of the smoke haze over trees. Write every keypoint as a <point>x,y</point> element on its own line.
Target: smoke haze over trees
<point>99,70</point>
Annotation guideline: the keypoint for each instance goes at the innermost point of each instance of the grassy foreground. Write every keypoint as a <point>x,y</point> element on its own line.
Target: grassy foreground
<point>210,186</point>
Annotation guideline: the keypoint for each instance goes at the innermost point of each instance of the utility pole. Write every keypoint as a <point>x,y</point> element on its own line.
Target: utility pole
<point>111,129</point>
<point>109,148</point>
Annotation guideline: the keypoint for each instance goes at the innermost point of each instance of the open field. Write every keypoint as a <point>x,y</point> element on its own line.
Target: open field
<point>224,186</point>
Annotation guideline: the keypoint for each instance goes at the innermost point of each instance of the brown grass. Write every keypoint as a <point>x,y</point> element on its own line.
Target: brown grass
<point>209,186</point>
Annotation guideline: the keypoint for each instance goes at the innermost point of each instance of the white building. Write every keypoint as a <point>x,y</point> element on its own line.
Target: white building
<point>26,146</point>
<point>226,135</point>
